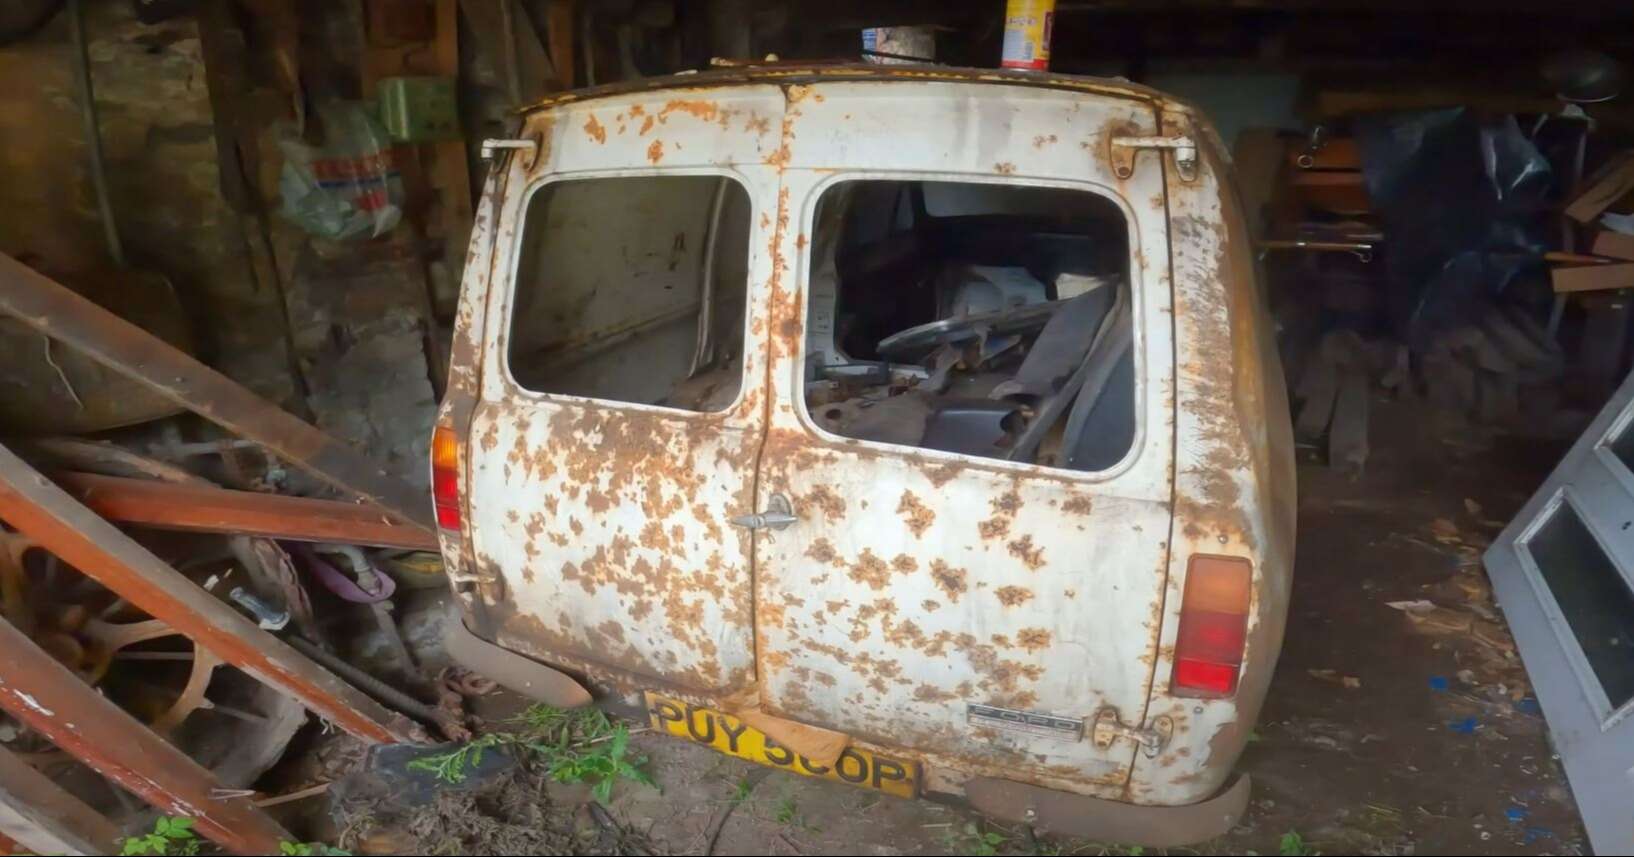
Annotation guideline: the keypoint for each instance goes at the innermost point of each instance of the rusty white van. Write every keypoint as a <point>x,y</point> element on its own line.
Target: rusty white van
<point>912,427</point>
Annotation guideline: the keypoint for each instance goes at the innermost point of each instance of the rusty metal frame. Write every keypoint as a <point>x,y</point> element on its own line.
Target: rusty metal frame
<point>43,817</point>
<point>56,311</point>
<point>205,508</point>
<point>50,699</point>
<point>57,522</point>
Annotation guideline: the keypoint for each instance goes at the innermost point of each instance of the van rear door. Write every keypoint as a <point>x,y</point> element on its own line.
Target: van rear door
<point>622,406</point>
<point>978,612</point>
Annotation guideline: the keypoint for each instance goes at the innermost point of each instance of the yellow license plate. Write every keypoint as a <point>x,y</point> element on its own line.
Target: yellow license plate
<point>727,734</point>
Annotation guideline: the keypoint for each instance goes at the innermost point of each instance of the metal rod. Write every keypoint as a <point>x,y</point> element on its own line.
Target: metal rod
<point>50,308</point>
<point>34,506</point>
<point>704,353</point>
<point>93,132</point>
<point>49,699</point>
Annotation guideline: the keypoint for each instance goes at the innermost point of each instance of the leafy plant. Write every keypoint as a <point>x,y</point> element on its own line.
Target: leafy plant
<point>1294,845</point>
<point>787,812</point>
<point>171,835</point>
<point>310,849</point>
<point>576,746</point>
<point>451,767</point>
<point>977,841</point>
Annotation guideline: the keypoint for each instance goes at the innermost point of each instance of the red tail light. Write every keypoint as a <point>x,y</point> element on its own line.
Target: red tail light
<point>445,478</point>
<point>1208,653</point>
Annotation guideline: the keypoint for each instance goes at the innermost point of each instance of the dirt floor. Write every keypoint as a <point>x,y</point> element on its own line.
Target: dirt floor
<point>1386,732</point>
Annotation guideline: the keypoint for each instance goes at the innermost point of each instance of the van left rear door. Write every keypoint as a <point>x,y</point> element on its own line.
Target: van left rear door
<point>608,450</point>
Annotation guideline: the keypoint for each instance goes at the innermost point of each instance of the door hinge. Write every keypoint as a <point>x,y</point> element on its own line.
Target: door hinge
<point>1109,727</point>
<point>1184,148</point>
<point>527,149</point>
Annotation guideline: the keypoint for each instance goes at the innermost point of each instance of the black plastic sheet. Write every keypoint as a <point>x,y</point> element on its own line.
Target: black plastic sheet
<point>1463,200</point>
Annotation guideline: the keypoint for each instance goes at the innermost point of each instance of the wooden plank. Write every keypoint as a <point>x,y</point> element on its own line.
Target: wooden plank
<point>45,696</point>
<point>34,506</point>
<point>1590,278</point>
<point>54,310</point>
<point>1608,184</point>
<point>1347,438</point>
<point>1318,385</point>
<point>44,818</point>
<point>206,508</point>
<point>1613,244</point>
<point>559,16</point>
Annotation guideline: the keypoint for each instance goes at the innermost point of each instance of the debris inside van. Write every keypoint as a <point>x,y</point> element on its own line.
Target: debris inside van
<point>1017,343</point>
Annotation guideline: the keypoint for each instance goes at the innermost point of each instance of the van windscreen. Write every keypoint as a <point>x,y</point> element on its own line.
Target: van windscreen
<point>992,320</point>
<point>632,289</point>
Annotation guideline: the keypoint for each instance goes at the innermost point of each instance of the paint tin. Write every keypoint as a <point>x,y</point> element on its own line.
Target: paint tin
<point>1027,26</point>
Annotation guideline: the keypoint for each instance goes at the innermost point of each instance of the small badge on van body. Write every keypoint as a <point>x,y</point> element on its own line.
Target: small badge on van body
<point>1031,722</point>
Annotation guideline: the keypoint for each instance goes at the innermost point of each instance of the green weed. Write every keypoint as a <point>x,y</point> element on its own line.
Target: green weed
<point>575,746</point>
<point>171,835</point>
<point>1294,845</point>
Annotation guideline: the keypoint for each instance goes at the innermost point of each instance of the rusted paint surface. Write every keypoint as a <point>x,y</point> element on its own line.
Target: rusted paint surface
<point>1234,482</point>
<point>942,580</point>
<point>602,528</point>
<point>915,582</point>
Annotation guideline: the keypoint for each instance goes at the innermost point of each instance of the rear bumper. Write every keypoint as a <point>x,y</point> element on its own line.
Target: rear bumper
<point>1109,820</point>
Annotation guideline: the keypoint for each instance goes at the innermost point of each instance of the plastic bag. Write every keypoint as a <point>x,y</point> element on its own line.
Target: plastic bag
<point>1464,205</point>
<point>348,188</point>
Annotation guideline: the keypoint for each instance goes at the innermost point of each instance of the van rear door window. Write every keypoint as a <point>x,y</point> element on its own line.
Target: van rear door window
<point>992,320</point>
<point>632,289</point>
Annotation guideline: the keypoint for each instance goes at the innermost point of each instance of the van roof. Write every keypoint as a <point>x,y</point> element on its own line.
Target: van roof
<point>806,72</point>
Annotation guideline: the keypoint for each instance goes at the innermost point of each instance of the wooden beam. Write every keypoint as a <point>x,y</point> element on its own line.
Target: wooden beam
<point>56,311</point>
<point>45,696</point>
<point>1591,278</point>
<point>206,508</point>
<point>44,818</point>
<point>31,504</point>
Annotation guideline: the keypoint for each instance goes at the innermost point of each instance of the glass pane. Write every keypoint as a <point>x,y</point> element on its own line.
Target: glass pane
<point>1597,603</point>
<point>993,320</point>
<point>1623,446</point>
<point>633,289</point>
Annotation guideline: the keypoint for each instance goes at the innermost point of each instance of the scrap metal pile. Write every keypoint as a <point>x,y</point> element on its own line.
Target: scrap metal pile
<point>165,635</point>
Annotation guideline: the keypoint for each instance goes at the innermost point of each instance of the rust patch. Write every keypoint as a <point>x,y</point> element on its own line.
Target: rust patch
<point>915,513</point>
<point>832,505</point>
<point>870,569</point>
<point>1080,504</point>
<point>1011,596</point>
<point>904,564</point>
<point>699,108</point>
<point>1004,168</point>
<point>646,125</point>
<point>655,152</point>
<point>1041,141</point>
<point>822,551</point>
<point>930,606</point>
<point>1024,550</point>
<point>1033,639</point>
<point>994,528</point>
<point>952,581</point>
<point>943,474</point>
<point>594,129</point>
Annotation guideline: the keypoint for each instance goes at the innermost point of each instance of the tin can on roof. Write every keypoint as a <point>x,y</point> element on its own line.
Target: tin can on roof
<point>1027,30</point>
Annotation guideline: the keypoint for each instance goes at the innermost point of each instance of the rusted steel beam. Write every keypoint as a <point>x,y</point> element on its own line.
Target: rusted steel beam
<point>44,818</point>
<point>205,508</point>
<point>45,696</point>
<point>38,508</point>
<point>56,311</point>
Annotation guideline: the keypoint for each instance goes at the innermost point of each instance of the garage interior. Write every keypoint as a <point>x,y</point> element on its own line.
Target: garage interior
<point>232,237</point>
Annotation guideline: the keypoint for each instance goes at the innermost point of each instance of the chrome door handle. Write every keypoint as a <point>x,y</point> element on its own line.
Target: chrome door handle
<point>778,514</point>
